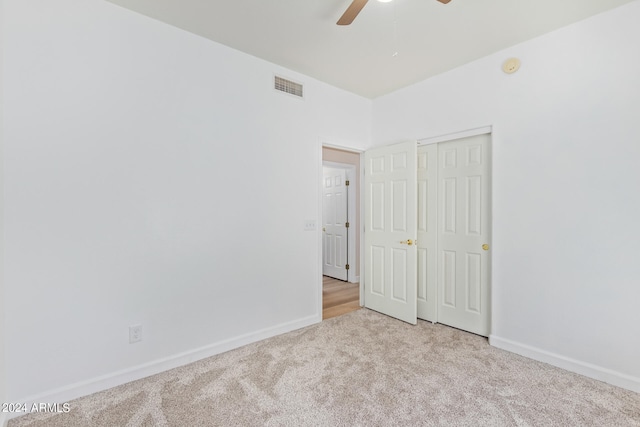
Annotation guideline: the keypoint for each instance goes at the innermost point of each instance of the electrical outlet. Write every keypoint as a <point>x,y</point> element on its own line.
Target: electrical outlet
<point>135,333</point>
<point>309,225</point>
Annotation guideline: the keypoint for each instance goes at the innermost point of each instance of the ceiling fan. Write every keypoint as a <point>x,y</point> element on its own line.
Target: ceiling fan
<point>356,6</point>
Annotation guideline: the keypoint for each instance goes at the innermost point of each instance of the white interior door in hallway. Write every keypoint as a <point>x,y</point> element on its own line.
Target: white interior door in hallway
<point>452,233</point>
<point>454,201</point>
<point>334,223</point>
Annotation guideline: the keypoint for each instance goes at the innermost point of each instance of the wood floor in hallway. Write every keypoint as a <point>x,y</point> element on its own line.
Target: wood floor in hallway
<point>339,297</point>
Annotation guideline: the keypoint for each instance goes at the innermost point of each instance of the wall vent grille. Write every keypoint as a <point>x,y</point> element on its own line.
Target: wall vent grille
<point>287,86</point>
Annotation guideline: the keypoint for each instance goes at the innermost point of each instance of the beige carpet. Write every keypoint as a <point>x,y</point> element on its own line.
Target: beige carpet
<point>360,369</point>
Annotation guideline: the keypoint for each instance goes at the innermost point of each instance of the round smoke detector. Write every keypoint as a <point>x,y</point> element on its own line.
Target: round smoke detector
<point>511,65</point>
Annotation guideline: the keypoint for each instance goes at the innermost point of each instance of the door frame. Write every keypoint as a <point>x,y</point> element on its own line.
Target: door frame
<point>351,215</point>
<point>456,135</point>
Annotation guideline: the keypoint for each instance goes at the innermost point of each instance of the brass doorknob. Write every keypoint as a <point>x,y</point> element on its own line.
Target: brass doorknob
<point>485,247</point>
<point>407,242</point>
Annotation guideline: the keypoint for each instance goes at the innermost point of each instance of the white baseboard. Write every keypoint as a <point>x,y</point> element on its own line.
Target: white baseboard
<point>588,370</point>
<point>94,385</point>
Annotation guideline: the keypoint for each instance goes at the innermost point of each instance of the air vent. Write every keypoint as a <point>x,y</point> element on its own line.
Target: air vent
<point>287,86</point>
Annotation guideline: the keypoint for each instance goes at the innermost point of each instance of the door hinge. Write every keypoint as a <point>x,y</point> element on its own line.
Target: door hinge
<point>346,224</point>
<point>346,266</point>
<point>346,182</point>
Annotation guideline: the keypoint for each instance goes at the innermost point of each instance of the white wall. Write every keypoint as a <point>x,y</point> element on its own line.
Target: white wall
<point>566,197</point>
<point>152,177</point>
<point>3,371</point>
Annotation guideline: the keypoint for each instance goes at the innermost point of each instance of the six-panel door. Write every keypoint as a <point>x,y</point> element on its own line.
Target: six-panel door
<point>334,219</point>
<point>463,229</point>
<point>390,230</point>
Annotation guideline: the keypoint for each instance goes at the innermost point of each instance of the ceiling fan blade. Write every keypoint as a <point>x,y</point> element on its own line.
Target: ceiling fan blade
<point>444,1</point>
<point>352,11</point>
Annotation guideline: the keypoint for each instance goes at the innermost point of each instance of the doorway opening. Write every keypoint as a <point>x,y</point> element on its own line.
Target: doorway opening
<point>340,232</point>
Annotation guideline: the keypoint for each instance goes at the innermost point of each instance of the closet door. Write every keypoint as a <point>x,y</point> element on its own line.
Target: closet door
<point>463,233</point>
<point>427,231</point>
<point>390,230</point>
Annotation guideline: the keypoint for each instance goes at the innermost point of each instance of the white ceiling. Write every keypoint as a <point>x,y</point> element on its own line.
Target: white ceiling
<point>429,37</point>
